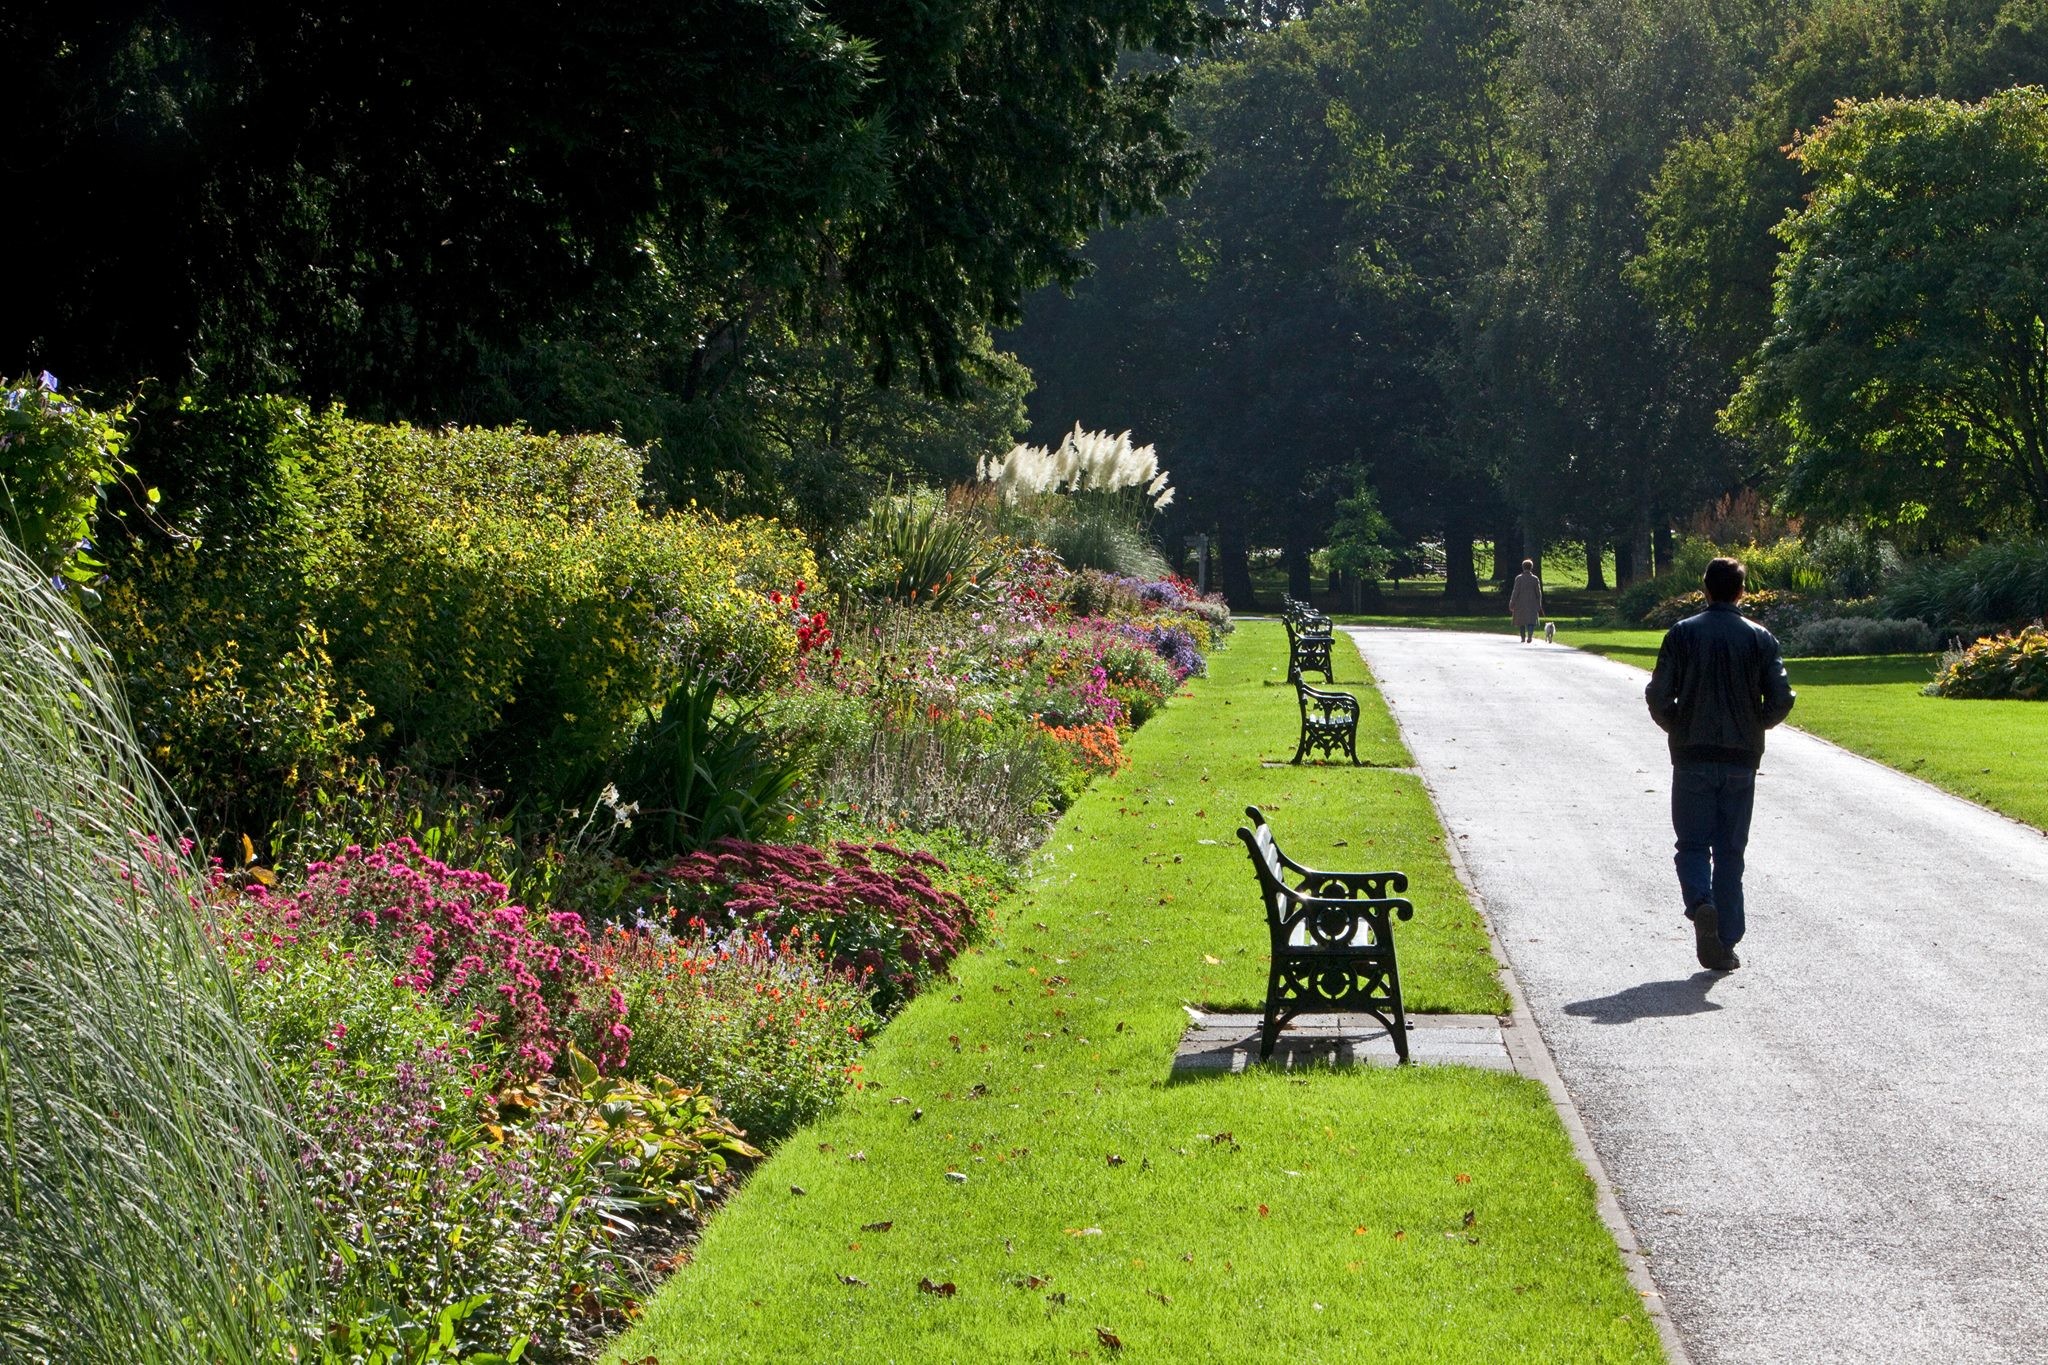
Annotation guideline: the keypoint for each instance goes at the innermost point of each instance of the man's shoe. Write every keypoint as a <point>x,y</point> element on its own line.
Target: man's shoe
<point>1713,954</point>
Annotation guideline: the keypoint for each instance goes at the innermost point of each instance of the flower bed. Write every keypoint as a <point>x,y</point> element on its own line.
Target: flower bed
<point>529,997</point>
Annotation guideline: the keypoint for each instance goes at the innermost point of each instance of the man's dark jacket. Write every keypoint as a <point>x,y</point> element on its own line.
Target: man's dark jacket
<point>1720,683</point>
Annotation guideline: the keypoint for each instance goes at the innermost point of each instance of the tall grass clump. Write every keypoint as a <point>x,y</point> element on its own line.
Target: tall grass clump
<point>149,1205</point>
<point>1091,499</point>
<point>2003,584</point>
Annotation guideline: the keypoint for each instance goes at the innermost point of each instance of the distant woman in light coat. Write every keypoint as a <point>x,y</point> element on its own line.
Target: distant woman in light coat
<point>1525,603</point>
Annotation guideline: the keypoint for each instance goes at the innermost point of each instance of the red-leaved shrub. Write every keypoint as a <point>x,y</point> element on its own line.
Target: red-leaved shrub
<point>872,908</point>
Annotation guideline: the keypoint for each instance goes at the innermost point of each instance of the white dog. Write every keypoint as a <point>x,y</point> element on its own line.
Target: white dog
<point>1550,632</point>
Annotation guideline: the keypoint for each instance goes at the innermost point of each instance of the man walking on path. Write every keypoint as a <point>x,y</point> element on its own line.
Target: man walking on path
<point>1719,684</point>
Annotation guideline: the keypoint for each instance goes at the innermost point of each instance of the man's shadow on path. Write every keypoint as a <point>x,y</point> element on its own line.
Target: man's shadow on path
<point>1651,1000</point>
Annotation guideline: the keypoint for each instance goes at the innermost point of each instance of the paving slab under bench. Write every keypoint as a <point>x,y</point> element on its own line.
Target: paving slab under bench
<point>1230,1042</point>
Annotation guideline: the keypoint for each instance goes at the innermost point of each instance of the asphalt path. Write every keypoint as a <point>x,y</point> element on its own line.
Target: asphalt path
<point>1838,1152</point>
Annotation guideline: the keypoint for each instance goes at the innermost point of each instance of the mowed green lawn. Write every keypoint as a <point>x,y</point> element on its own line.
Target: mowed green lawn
<point>1020,1148</point>
<point>1993,752</point>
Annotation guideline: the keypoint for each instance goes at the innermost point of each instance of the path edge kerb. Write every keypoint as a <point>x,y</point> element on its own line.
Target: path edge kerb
<point>1531,1055</point>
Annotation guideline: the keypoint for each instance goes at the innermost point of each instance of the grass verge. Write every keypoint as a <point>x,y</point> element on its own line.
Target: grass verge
<point>1104,1211</point>
<point>1991,752</point>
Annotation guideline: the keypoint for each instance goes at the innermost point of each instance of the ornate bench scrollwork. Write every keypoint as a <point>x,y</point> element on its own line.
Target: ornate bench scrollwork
<point>1329,722</point>
<point>1333,940</point>
<point>1308,646</point>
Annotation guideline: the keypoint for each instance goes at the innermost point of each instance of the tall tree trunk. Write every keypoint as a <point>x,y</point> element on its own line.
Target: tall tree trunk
<point>1596,567</point>
<point>1233,561</point>
<point>1624,571</point>
<point>1640,557</point>
<point>1507,551</point>
<point>1461,575</point>
<point>1661,545</point>
<point>1300,582</point>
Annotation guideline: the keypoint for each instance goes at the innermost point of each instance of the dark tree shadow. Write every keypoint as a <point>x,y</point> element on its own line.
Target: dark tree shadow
<point>1651,1000</point>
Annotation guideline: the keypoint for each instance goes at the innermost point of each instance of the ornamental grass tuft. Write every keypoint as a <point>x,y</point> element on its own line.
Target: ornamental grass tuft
<point>150,1211</point>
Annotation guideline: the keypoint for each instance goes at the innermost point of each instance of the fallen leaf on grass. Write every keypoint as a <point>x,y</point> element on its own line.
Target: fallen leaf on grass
<point>1109,1339</point>
<point>945,1291</point>
<point>1159,1296</point>
<point>1113,1159</point>
<point>957,1177</point>
<point>1471,1217</point>
<point>797,1190</point>
<point>1265,1212</point>
<point>856,1281</point>
<point>1084,1232</point>
<point>882,1226</point>
<point>1462,1178</point>
<point>1032,1282</point>
<point>1212,959</point>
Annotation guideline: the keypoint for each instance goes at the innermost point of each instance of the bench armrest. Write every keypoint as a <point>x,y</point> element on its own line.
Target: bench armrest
<point>1307,908</point>
<point>1360,885</point>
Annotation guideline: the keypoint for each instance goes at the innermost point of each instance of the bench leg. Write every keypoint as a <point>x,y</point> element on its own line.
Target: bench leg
<point>1400,1027</point>
<point>1269,1031</point>
<point>1351,743</point>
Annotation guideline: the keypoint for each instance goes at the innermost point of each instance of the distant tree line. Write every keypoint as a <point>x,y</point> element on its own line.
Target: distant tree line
<point>1567,270</point>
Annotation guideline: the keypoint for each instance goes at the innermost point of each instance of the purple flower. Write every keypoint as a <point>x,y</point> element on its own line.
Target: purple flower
<point>48,381</point>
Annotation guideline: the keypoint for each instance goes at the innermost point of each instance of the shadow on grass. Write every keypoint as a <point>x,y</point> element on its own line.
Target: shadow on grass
<point>1651,1000</point>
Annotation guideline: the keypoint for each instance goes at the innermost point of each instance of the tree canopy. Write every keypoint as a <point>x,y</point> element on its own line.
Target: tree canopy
<point>436,212</point>
<point>1906,373</point>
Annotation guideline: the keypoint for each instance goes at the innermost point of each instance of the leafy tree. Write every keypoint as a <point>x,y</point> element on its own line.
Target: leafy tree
<point>1707,261</point>
<point>1906,374</point>
<point>1363,542</point>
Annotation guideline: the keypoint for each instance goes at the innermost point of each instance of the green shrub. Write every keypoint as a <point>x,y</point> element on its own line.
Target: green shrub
<point>58,462</point>
<point>1850,564</point>
<point>2005,665</point>
<point>1846,635</point>
<point>996,782</point>
<point>2004,583</point>
<point>1776,609</point>
<point>315,1000</point>
<point>493,602</point>
<point>1784,567</point>
<point>1094,592</point>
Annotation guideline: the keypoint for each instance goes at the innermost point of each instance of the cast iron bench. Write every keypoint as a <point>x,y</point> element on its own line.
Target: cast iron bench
<point>1329,722</point>
<point>1308,646</point>
<point>1333,940</point>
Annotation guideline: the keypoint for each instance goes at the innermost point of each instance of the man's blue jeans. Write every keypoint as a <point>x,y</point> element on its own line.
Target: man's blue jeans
<point>1710,805</point>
